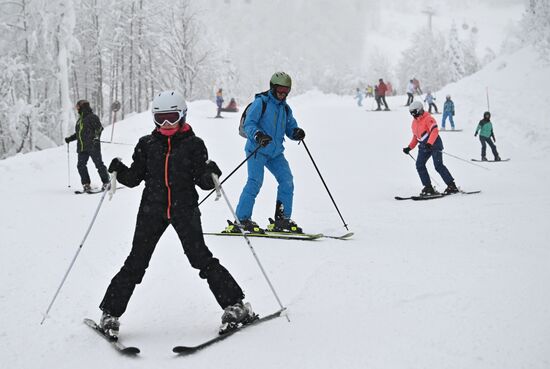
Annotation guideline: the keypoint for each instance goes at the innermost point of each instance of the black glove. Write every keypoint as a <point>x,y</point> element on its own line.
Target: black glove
<point>212,167</point>
<point>298,134</point>
<point>67,139</point>
<point>262,139</point>
<point>453,113</point>
<point>475,134</point>
<point>429,146</point>
<point>407,150</point>
<point>116,165</point>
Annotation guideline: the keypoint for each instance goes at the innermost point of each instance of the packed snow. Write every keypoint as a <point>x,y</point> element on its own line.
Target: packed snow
<point>458,282</point>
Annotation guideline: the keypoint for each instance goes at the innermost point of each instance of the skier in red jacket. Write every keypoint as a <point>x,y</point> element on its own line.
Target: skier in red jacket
<point>426,135</point>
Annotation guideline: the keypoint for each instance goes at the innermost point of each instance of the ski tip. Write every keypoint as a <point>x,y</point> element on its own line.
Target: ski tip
<point>182,350</point>
<point>130,350</point>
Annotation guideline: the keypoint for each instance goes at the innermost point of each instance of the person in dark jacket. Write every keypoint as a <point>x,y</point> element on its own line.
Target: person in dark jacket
<point>171,161</point>
<point>88,130</point>
<point>486,132</point>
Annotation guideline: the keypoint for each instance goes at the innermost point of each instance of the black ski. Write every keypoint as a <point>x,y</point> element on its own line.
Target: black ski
<point>187,350</point>
<point>436,196</point>
<point>91,192</point>
<point>126,350</point>
<point>491,161</point>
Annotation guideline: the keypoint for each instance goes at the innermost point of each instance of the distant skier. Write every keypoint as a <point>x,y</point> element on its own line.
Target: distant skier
<point>430,99</point>
<point>448,112</point>
<point>426,134</point>
<point>219,102</point>
<point>88,130</point>
<point>382,89</point>
<point>359,97</point>
<point>370,91</point>
<point>231,107</point>
<point>410,93</point>
<point>171,161</point>
<point>416,84</point>
<point>486,132</point>
<point>268,121</point>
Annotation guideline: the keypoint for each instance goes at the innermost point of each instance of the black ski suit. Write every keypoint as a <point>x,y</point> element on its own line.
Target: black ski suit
<point>88,130</point>
<point>171,167</point>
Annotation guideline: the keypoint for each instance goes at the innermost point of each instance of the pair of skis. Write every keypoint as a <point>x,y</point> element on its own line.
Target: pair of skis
<point>435,196</point>
<point>283,235</point>
<point>180,350</point>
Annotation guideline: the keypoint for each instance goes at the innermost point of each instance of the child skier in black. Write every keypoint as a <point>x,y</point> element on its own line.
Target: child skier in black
<point>171,161</point>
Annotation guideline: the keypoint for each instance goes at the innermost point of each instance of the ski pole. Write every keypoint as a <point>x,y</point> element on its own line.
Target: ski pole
<point>466,161</point>
<point>326,187</point>
<point>116,143</point>
<point>487,92</point>
<point>230,174</point>
<point>431,180</point>
<point>74,258</point>
<point>220,190</point>
<point>68,167</point>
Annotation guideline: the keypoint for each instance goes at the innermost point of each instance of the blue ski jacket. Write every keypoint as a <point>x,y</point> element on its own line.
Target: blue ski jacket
<point>276,121</point>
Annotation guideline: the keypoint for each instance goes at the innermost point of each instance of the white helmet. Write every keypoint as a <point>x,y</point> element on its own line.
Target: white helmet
<point>169,101</point>
<point>416,108</point>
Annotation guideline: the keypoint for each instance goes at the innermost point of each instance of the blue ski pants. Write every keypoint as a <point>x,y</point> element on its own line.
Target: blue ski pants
<point>423,155</point>
<point>444,119</point>
<point>278,166</point>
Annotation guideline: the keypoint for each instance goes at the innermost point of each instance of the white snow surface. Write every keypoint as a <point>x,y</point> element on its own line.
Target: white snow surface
<point>460,282</point>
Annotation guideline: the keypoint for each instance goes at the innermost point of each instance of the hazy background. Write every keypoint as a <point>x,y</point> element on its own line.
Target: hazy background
<point>57,52</point>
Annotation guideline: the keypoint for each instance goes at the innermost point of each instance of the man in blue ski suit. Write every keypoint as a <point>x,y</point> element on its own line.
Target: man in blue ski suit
<point>268,120</point>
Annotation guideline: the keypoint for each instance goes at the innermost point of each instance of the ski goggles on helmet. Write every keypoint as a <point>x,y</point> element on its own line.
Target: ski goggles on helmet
<point>170,117</point>
<point>282,90</point>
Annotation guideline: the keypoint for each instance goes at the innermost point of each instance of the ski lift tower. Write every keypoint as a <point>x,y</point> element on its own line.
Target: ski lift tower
<point>430,12</point>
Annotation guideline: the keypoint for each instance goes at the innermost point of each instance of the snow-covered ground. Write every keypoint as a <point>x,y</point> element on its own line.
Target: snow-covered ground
<point>460,282</point>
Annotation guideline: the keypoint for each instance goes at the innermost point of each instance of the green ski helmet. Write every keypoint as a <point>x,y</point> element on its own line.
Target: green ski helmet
<point>280,79</point>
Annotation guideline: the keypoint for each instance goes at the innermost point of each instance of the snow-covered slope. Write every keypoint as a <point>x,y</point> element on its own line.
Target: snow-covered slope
<point>457,283</point>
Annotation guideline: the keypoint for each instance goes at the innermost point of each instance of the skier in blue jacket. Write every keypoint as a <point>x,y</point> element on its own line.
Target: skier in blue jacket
<point>448,112</point>
<point>269,119</point>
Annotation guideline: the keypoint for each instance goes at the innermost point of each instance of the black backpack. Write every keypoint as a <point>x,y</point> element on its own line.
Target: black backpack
<point>242,133</point>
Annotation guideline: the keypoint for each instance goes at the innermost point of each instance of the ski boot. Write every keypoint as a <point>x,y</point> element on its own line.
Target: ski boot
<point>247,226</point>
<point>451,188</point>
<point>86,188</point>
<point>237,315</point>
<point>497,158</point>
<point>483,158</point>
<point>428,191</point>
<point>110,325</point>
<point>283,224</point>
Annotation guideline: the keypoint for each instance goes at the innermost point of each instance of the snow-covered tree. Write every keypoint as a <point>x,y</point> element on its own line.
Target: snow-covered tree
<point>455,55</point>
<point>426,60</point>
<point>536,26</point>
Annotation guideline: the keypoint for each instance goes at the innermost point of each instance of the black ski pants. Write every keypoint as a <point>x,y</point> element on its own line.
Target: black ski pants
<point>487,141</point>
<point>150,226</point>
<point>382,100</point>
<point>410,99</point>
<point>98,161</point>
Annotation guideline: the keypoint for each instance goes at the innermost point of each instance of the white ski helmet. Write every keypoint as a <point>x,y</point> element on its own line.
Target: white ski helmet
<point>416,108</point>
<point>169,101</point>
